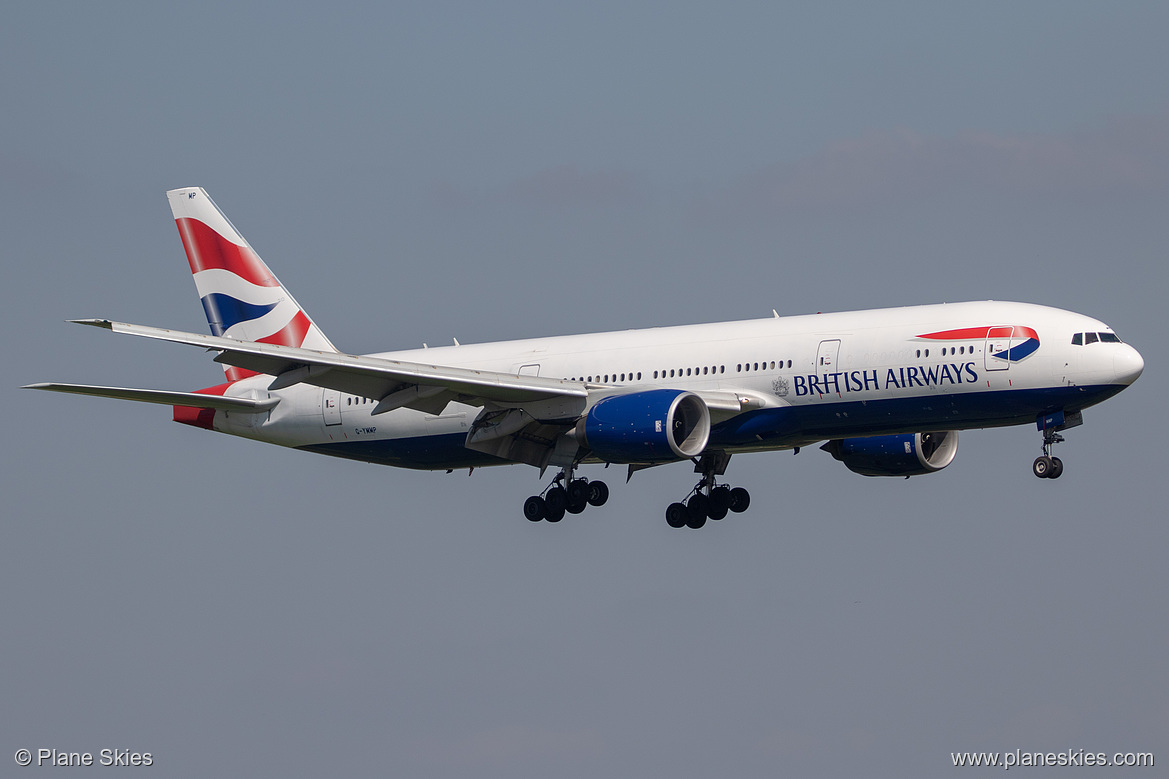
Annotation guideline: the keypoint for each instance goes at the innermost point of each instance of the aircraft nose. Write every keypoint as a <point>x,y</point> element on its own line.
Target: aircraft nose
<point>1127,365</point>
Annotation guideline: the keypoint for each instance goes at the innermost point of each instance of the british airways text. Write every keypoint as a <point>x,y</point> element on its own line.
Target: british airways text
<point>899,378</point>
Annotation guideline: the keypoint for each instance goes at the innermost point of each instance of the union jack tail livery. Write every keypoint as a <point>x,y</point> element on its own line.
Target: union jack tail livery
<point>241,297</point>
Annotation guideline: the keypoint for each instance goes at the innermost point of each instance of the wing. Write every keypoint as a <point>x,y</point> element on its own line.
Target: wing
<point>524,418</point>
<point>394,382</point>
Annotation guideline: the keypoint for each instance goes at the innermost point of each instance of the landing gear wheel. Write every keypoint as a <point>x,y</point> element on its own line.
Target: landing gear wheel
<point>555,501</point>
<point>598,493</point>
<point>676,515</point>
<point>699,504</point>
<point>716,512</point>
<point>576,508</point>
<point>1056,468</point>
<point>720,498</point>
<point>740,500</point>
<point>578,494</point>
<point>697,510</point>
<point>1042,467</point>
<point>534,508</point>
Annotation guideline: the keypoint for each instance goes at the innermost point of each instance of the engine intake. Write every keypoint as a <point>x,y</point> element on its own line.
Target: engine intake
<point>908,454</point>
<point>653,426</point>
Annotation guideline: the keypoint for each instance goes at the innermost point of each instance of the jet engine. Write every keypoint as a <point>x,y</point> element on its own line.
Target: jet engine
<point>641,427</point>
<point>909,454</point>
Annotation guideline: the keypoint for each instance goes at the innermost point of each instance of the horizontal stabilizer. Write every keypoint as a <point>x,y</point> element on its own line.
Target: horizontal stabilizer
<point>162,397</point>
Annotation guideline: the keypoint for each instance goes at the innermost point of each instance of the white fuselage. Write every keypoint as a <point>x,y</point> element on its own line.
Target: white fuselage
<point>813,378</point>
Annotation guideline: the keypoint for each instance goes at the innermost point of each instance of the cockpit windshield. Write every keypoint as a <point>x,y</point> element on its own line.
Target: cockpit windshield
<point>1082,339</point>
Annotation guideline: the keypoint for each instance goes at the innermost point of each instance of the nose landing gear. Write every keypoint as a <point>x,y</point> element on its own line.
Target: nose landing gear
<point>1046,466</point>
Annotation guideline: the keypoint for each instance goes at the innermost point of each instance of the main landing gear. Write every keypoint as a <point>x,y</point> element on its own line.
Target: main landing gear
<point>1048,467</point>
<point>565,494</point>
<point>708,499</point>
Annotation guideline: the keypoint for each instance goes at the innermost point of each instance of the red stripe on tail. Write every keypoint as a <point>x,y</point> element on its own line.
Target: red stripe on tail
<point>292,334</point>
<point>207,249</point>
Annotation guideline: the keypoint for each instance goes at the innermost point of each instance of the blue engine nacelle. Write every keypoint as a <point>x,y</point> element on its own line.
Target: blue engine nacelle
<point>646,427</point>
<point>909,454</point>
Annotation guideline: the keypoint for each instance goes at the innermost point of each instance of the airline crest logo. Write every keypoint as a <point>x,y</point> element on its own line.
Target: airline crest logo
<point>1015,342</point>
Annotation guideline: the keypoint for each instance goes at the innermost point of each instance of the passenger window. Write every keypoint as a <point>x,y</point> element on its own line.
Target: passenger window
<point>1090,338</point>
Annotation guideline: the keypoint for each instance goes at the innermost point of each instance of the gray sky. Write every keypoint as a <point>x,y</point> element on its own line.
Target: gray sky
<point>427,171</point>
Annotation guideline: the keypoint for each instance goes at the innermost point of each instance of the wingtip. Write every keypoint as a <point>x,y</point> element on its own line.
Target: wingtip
<point>107,324</point>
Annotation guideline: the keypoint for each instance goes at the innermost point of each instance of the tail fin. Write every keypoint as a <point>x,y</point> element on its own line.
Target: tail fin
<point>241,297</point>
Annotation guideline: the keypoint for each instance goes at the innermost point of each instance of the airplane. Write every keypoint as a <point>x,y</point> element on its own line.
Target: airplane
<point>886,390</point>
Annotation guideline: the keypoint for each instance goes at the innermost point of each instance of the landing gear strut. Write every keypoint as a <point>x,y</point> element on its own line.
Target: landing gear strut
<point>708,499</point>
<point>565,494</point>
<point>1046,466</point>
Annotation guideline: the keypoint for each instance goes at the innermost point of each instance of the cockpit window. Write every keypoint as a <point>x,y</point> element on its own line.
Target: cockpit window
<point>1080,339</point>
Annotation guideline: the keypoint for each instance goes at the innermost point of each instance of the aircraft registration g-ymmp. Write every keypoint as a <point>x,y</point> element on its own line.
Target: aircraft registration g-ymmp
<point>886,390</point>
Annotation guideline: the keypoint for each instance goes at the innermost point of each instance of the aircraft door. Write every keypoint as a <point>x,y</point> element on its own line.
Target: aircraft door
<point>827,356</point>
<point>998,342</point>
<point>331,406</point>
